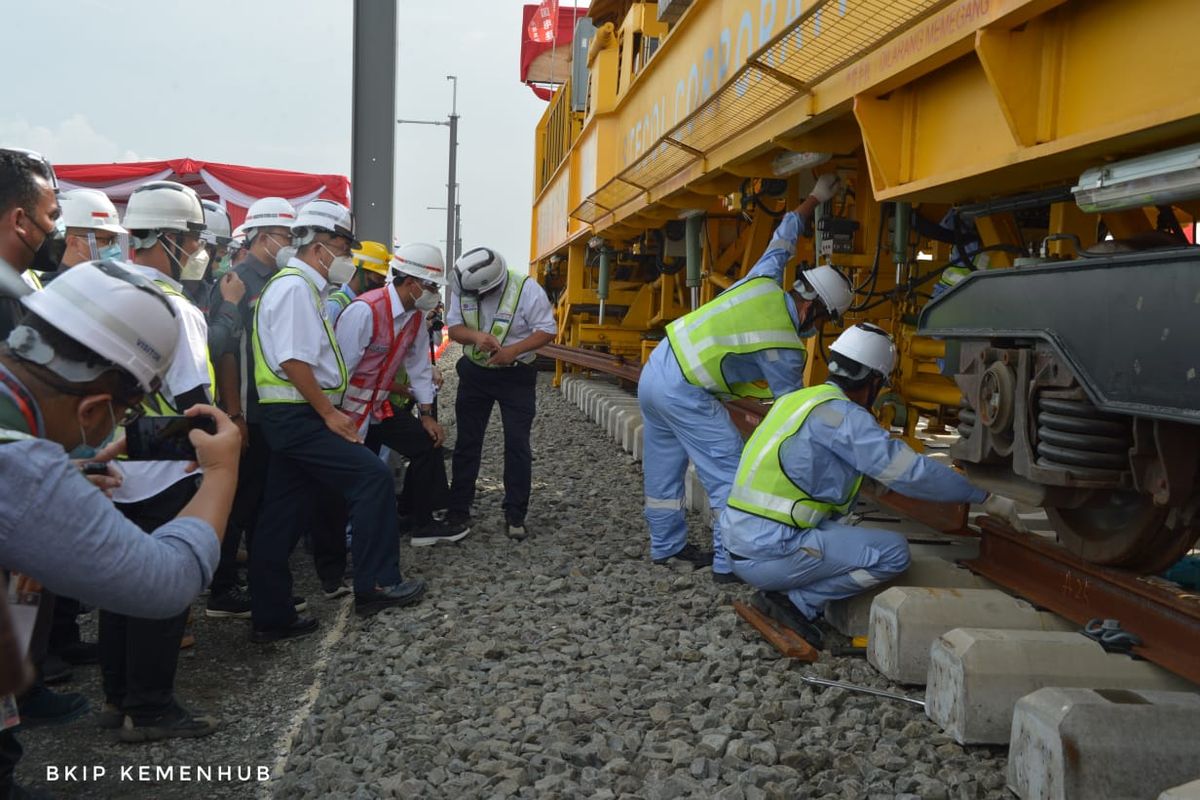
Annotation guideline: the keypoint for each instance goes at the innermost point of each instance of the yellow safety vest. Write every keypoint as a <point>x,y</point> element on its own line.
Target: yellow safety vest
<point>271,387</point>
<point>761,487</point>
<point>156,405</point>
<point>501,323</point>
<point>748,318</point>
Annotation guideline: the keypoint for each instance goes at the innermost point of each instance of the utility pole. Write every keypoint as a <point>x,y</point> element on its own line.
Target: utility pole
<point>457,220</point>
<point>451,203</point>
<point>374,103</point>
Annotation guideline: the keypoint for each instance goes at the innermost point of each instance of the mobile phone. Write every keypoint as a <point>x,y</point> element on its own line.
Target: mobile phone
<point>95,468</point>
<point>165,438</point>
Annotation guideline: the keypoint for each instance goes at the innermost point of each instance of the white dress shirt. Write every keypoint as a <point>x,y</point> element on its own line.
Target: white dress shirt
<point>534,313</point>
<point>291,326</point>
<point>354,330</point>
<point>188,370</point>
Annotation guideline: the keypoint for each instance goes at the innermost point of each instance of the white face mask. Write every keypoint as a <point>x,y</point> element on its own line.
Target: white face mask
<point>341,269</point>
<point>193,269</point>
<point>283,255</point>
<point>427,301</point>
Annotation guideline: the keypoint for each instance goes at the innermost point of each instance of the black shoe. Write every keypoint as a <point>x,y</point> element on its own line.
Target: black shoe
<point>333,591</point>
<point>300,626</point>
<point>233,604</point>
<point>515,529</point>
<point>80,654</point>
<point>694,555</point>
<point>55,670</point>
<point>402,594</point>
<point>176,724</point>
<point>457,518</point>
<point>779,607</point>
<point>299,603</point>
<point>726,577</point>
<point>434,532</point>
<point>42,706</point>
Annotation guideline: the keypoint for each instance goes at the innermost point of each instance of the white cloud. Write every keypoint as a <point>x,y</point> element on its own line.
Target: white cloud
<point>71,141</point>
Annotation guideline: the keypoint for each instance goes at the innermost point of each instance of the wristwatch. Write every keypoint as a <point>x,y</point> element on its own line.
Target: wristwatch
<point>425,412</point>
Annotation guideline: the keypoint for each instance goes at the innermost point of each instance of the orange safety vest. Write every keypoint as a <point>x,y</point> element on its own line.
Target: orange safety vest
<point>369,386</point>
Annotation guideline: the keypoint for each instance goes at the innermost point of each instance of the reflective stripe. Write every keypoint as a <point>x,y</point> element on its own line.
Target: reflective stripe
<point>7,435</point>
<point>271,387</point>
<point>665,503</point>
<point>863,578</point>
<point>898,467</point>
<point>803,515</point>
<point>783,244</point>
<point>502,321</point>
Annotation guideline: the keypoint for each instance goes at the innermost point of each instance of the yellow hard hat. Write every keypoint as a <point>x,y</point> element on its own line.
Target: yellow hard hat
<point>373,257</point>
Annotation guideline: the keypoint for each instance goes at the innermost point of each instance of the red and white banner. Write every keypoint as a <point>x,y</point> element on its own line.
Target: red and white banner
<point>544,23</point>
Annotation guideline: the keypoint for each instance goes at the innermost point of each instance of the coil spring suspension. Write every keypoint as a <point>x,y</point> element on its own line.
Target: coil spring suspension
<point>1074,435</point>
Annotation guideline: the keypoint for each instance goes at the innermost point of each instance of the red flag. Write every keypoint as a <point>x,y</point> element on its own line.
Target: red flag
<point>544,22</point>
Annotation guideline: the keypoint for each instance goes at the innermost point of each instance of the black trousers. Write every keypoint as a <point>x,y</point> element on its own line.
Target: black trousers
<point>139,657</point>
<point>307,457</point>
<point>327,538</point>
<point>64,626</point>
<point>479,388</point>
<point>252,481</point>
<point>425,486</point>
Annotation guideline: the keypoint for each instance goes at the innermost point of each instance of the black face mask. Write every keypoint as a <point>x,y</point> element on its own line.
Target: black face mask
<point>48,256</point>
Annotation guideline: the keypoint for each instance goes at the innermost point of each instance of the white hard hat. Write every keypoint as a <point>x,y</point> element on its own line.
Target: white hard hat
<point>216,224</point>
<point>478,271</point>
<point>868,345</point>
<point>422,261</point>
<point>114,312</point>
<point>164,205</point>
<point>829,286</point>
<point>325,215</point>
<point>89,208</point>
<point>269,212</point>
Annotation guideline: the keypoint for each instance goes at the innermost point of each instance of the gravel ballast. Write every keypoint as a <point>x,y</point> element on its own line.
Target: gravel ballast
<point>566,665</point>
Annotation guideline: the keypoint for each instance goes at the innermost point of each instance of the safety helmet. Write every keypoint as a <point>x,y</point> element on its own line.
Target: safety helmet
<point>164,206</point>
<point>422,261</point>
<point>268,212</point>
<point>479,271</point>
<point>324,215</point>
<point>91,209</point>
<point>827,285</point>
<point>371,256</point>
<point>114,312</point>
<point>868,345</point>
<point>216,223</point>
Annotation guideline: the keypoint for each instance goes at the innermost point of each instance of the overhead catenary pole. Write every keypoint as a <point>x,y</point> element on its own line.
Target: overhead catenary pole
<point>452,181</point>
<point>374,104</point>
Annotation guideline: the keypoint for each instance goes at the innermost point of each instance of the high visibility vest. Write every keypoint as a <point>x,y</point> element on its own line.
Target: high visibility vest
<point>748,318</point>
<point>157,405</point>
<point>32,279</point>
<point>501,323</point>
<point>761,487</point>
<point>367,394</point>
<point>341,299</point>
<point>271,387</point>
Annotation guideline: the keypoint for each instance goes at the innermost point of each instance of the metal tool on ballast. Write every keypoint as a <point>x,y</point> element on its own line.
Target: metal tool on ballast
<point>850,687</point>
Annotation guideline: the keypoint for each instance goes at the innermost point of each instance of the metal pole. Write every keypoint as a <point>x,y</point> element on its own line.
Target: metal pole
<point>694,227</point>
<point>605,274</point>
<point>458,229</point>
<point>374,107</point>
<point>452,181</point>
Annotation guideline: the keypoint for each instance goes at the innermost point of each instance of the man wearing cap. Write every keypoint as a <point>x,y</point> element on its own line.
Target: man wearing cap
<point>268,233</point>
<point>383,334</point>
<point>750,335</point>
<point>301,379</point>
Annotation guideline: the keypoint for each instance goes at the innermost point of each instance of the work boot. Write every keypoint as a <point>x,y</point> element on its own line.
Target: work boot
<point>333,591</point>
<point>42,706</point>
<point>178,723</point>
<point>694,555</point>
<point>434,532</point>
<point>402,594</point>
<point>779,607</point>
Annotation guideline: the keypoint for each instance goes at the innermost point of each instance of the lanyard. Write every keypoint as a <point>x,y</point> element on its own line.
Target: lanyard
<point>23,399</point>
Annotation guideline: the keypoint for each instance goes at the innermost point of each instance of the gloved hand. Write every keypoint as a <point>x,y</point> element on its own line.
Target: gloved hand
<point>826,188</point>
<point>1004,508</point>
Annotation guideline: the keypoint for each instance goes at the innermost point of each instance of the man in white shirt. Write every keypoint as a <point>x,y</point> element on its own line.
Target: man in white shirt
<point>501,318</point>
<point>138,657</point>
<point>385,341</point>
<point>301,379</point>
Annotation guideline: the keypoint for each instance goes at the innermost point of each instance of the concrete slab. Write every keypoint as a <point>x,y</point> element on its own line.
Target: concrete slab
<point>1188,791</point>
<point>976,676</point>
<point>852,616</point>
<point>1083,744</point>
<point>632,422</point>
<point>906,620</point>
<point>638,446</point>
<point>614,407</point>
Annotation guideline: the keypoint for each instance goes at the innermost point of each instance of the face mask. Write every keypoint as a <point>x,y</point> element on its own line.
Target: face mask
<point>223,266</point>
<point>193,269</point>
<point>111,252</point>
<point>428,300</point>
<point>283,255</point>
<point>49,253</point>
<point>341,269</point>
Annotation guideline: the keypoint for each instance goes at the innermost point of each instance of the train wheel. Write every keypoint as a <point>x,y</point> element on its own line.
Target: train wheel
<point>1126,529</point>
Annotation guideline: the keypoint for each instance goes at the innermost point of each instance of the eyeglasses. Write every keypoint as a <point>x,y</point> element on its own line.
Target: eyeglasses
<point>430,286</point>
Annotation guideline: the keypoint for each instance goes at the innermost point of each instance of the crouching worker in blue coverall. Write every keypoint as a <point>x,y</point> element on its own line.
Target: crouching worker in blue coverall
<point>801,471</point>
<point>752,332</point>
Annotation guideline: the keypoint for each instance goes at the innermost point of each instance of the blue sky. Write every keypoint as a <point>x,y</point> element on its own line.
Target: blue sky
<point>267,83</point>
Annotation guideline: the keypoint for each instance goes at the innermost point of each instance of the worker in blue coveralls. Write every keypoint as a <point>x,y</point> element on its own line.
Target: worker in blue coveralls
<point>751,333</point>
<point>801,471</point>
